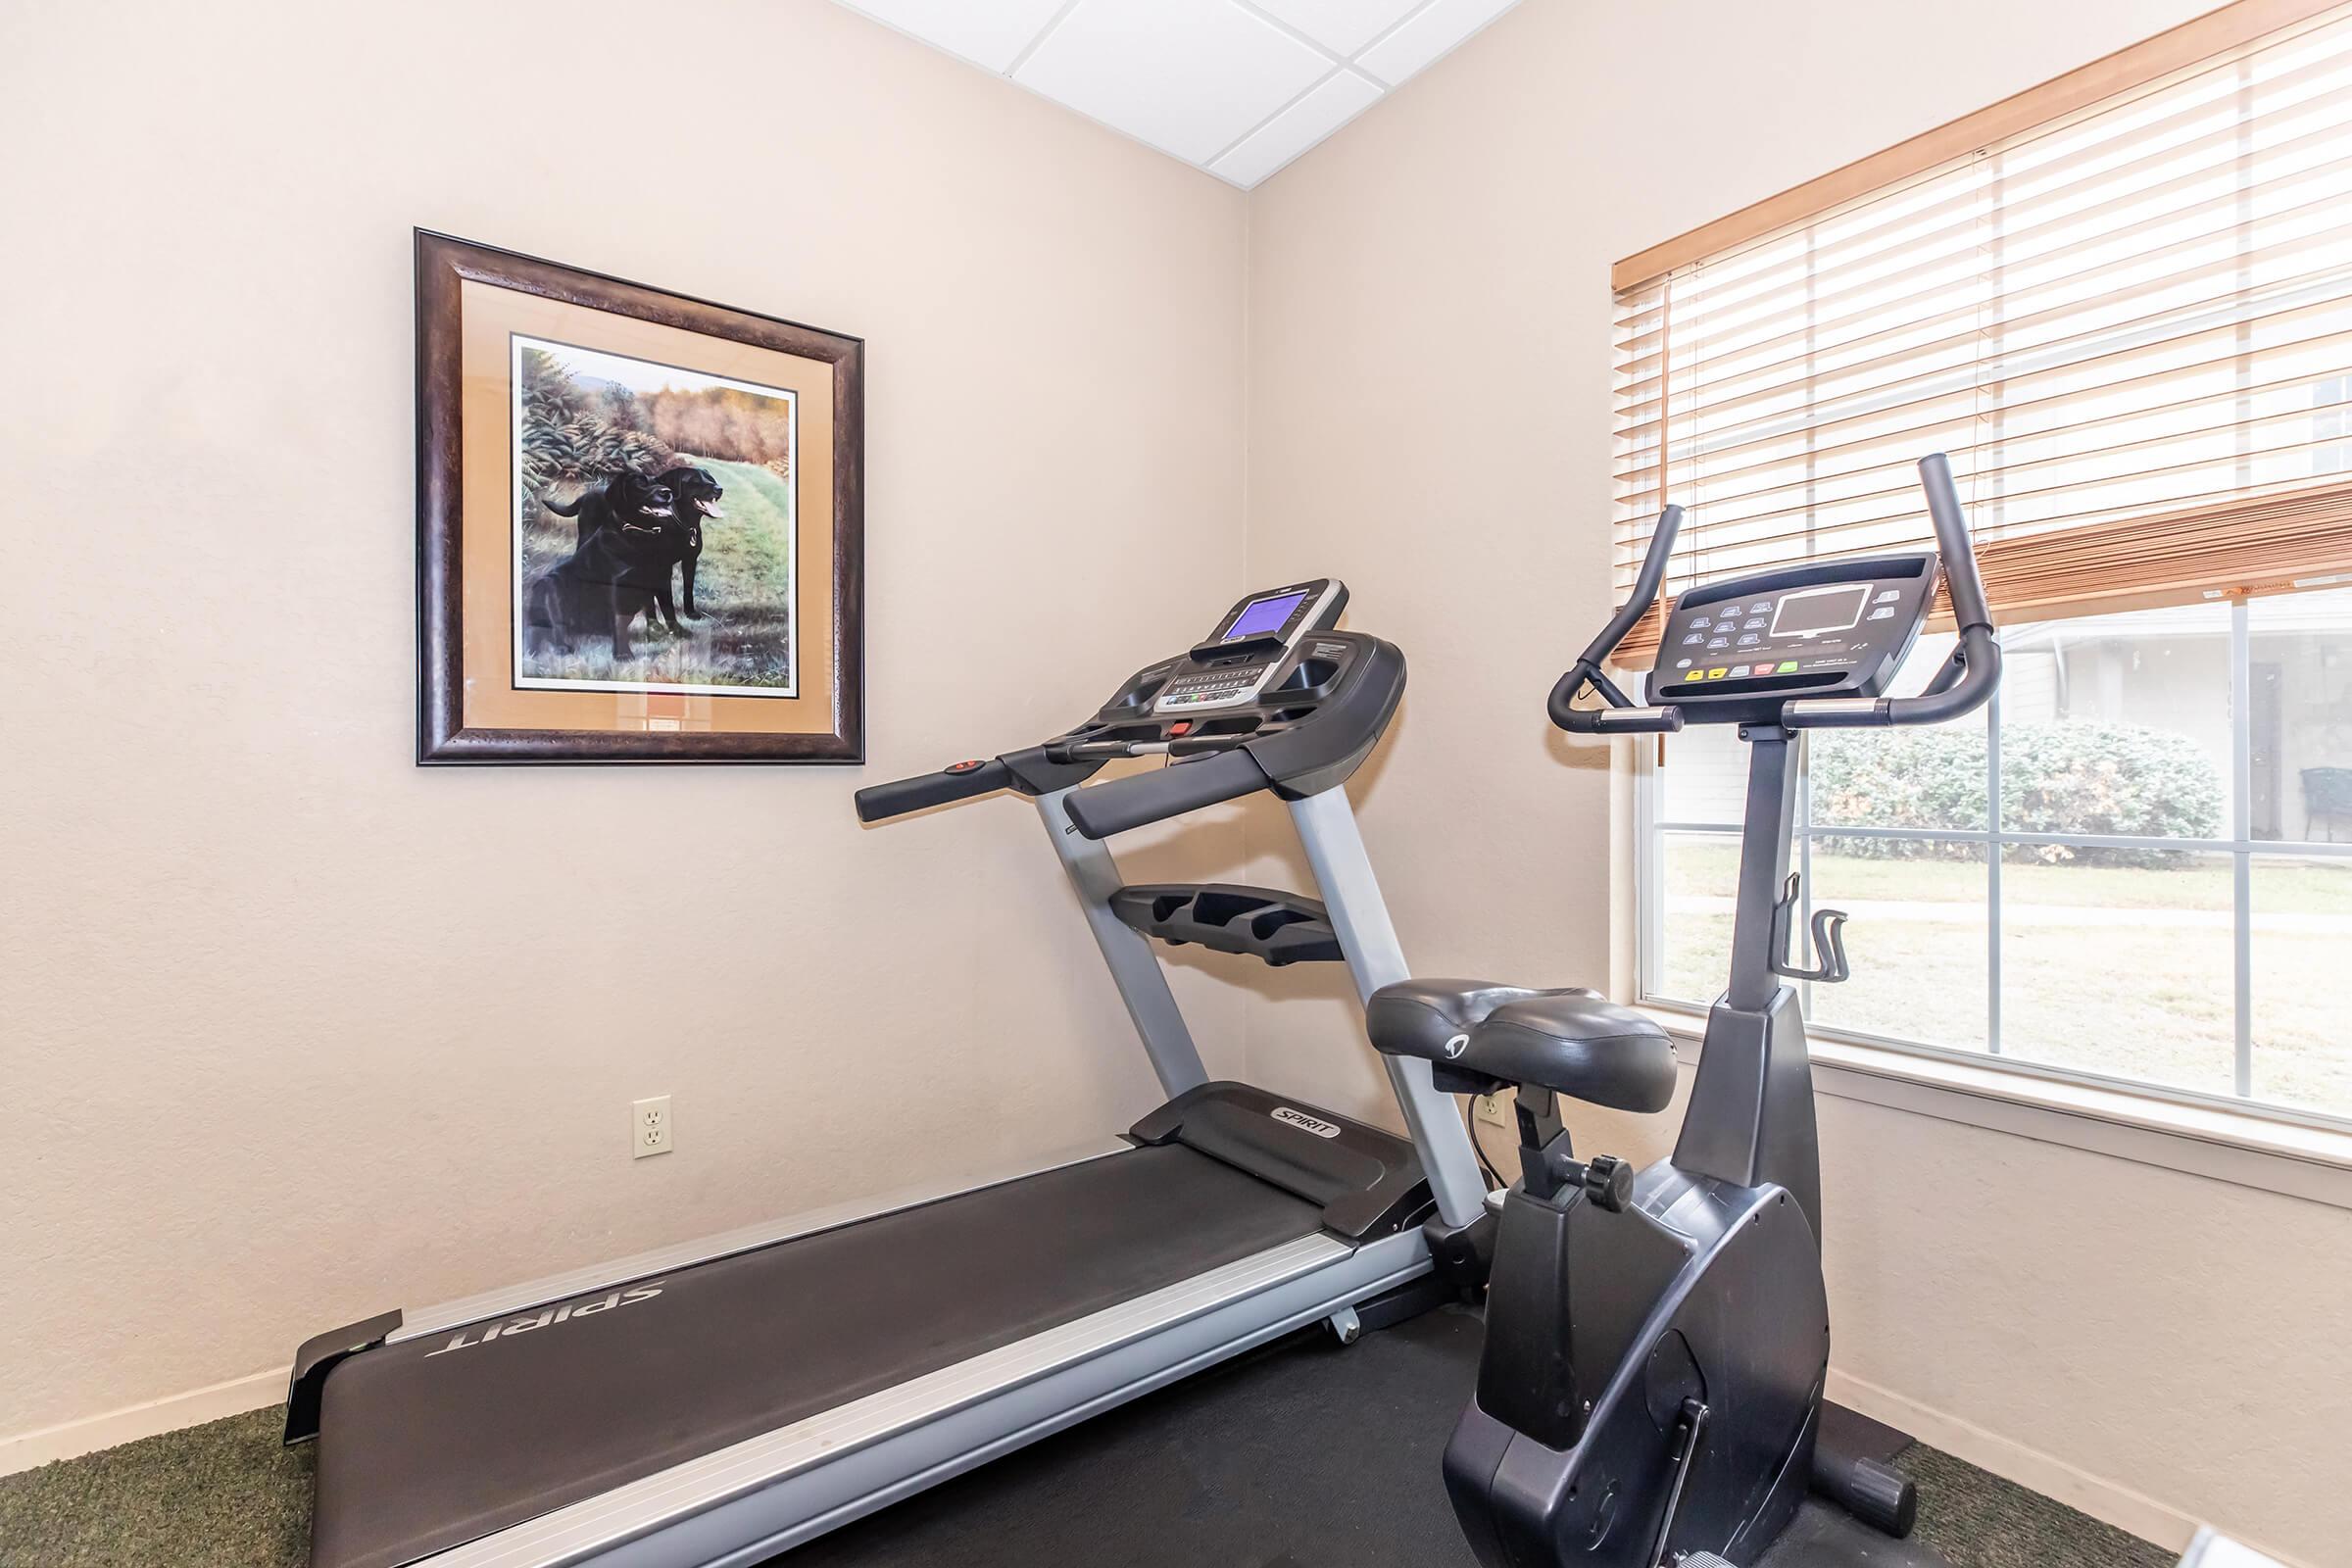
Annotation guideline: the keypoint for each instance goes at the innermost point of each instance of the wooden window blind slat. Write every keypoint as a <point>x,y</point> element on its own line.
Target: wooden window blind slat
<point>2312,293</point>
<point>2328,247</point>
<point>2049,406</point>
<point>2238,25</point>
<point>2067,235</point>
<point>1635,482</point>
<point>1899,239</point>
<point>1907,253</point>
<point>2227,546</point>
<point>1826,331</point>
<point>2129,323</point>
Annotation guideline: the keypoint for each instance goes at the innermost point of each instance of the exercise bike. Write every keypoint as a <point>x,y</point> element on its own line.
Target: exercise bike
<point>1657,1342</point>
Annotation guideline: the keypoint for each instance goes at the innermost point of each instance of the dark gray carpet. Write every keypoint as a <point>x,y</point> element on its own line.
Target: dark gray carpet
<point>1301,1455</point>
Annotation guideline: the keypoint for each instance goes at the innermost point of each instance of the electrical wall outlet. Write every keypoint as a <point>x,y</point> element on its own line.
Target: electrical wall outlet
<point>1494,1109</point>
<point>649,1127</point>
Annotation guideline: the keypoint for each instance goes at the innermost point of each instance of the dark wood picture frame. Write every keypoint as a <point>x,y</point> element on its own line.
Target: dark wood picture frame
<point>443,264</point>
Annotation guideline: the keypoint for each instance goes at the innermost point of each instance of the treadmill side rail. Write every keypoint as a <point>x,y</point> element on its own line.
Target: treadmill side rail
<point>741,1505</point>
<point>427,1445</point>
<point>317,1357</point>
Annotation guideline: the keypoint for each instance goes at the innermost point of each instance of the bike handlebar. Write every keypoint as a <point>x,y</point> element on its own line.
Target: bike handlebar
<point>1962,686</point>
<point>1952,543</point>
<point>1621,717</point>
<point>1972,670</point>
<point>1646,588</point>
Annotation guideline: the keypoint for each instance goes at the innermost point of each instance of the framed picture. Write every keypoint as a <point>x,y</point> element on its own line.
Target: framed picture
<point>640,526</point>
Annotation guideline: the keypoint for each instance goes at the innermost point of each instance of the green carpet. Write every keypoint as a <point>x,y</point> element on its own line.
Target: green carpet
<point>228,1495</point>
<point>1978,1520</point>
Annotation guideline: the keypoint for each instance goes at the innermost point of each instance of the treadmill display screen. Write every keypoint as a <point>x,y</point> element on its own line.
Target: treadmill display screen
<point>1819,609</point>
<point>1262,616</point>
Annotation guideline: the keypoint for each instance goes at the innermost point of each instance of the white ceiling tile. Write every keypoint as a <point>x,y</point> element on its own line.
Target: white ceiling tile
<point>987,33</point>
<point>1431,33</point>
<point>1341,26</point>
<point>1189,76</point>
<point>1297,128</point>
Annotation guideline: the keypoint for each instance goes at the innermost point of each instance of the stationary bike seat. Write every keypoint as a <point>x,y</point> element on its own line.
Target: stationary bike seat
<point>1481,1035</point>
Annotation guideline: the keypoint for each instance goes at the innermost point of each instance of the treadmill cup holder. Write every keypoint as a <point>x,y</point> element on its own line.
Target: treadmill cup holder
<point>1278,928</point>
<point>1311,678</point>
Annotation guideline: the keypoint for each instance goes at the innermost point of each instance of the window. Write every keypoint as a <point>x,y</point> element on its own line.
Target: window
<point>2128,322</point>
<point>2136,865</point>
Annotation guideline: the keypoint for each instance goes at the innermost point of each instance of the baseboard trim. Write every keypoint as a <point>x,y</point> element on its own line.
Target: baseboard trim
<point>30,1450</point>
<point>2103,1499</point>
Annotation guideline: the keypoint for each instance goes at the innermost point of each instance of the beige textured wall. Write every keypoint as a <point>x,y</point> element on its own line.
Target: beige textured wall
<point>1430,417</point>
<point>291,1031</point>
<point>303,1032</point>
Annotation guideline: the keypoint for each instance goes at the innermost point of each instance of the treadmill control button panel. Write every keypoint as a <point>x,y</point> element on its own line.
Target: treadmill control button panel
<point>1222,687</point>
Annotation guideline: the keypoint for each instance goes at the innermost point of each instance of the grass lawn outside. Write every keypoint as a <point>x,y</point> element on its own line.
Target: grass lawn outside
<point>2118,970</point>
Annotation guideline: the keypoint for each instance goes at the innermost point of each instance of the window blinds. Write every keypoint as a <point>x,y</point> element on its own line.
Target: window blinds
<point>2132,330</point>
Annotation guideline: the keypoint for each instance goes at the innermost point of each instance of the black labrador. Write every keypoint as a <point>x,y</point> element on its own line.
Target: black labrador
<point>627,535</point>
<point>626,501</point>
<point>679,546</point>
<point>697,491</point>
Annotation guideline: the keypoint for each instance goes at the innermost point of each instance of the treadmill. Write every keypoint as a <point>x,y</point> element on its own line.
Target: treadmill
<point>722,1400</point>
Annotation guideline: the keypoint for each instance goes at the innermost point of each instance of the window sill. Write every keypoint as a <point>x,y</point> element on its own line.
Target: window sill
<point>2212,1142</point>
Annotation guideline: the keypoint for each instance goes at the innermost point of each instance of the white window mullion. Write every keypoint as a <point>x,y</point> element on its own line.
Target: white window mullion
<point>1649,876</point>
<point>1992,875</point>
<point>2241,830</point>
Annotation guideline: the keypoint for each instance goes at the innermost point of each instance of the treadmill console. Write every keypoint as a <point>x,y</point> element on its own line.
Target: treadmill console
<point>1233,665</point>
<point>1838,629</point>
<point>1275,698</point>
<point>1308,701</point>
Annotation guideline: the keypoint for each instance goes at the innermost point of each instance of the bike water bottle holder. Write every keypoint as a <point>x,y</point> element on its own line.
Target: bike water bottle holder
<point>1829,940</point>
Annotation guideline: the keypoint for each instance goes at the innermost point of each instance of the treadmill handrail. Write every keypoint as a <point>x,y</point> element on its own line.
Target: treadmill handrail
<point>958,781</point>
<point>1165,792</point>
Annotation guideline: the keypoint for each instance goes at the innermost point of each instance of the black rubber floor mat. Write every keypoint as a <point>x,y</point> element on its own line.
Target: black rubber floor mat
<point>1303,1454</point>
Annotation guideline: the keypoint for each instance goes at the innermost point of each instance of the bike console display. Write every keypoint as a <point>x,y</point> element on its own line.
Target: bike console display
<point>1838,629</point>
<point>1810,647</point>
<point>1272,699</point>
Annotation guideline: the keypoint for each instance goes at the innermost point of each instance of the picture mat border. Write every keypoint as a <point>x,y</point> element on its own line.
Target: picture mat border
<point>486,598</point>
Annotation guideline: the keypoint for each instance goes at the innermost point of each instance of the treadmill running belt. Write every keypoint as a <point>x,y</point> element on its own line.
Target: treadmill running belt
<point>431,1443</point>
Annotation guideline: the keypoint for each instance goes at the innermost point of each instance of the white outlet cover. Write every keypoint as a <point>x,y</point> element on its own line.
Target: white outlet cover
<point>649,1127</point>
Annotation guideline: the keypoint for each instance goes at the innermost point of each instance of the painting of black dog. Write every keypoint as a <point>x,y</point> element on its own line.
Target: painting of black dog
<point>655,527</point>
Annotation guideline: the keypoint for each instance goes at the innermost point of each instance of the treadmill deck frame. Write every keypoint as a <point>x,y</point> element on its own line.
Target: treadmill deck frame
<point>744,1504</point>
